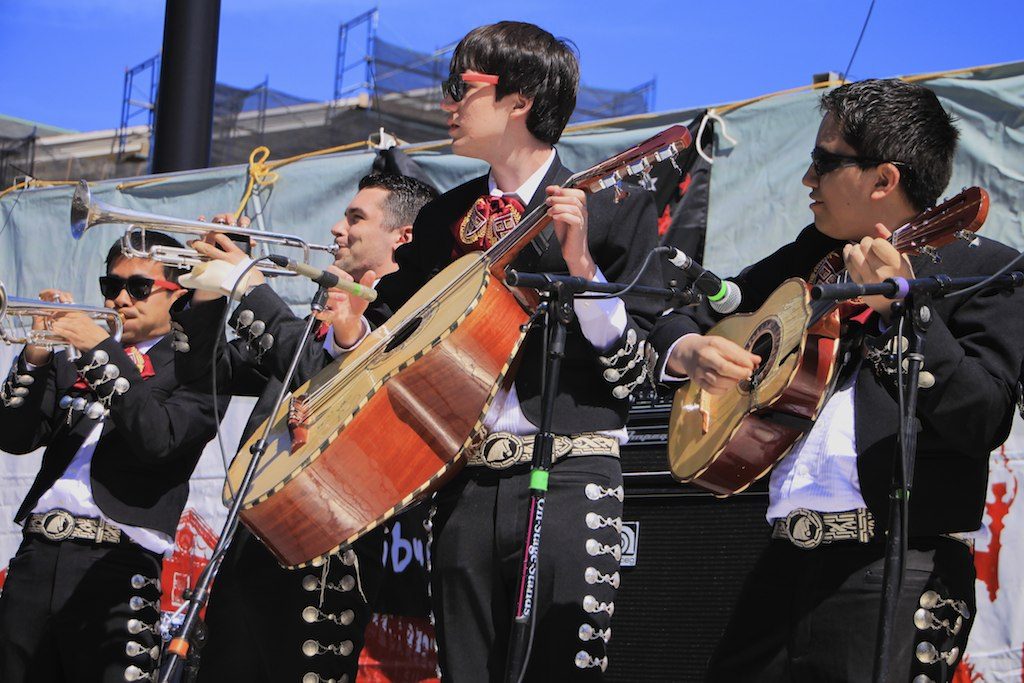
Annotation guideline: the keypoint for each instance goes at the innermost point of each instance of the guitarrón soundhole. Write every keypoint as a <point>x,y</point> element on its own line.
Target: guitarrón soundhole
<point>764,342</point>
<point>403,334</point>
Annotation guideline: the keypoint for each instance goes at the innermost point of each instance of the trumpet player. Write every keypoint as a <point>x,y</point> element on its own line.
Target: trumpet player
<point>266,623</point>
<point>82,597</point>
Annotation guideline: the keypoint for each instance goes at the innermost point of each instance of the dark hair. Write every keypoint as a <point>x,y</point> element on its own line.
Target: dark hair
<point>530,61</point>
<point>901,122</point>
<point>406,196</point>
<point>152,238</point>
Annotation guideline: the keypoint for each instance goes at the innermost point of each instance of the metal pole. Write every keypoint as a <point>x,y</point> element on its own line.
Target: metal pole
<point>184,109</point>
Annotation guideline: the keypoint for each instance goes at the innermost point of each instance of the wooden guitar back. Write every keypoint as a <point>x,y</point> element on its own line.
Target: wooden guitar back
<point>703,425</point>
<point>431,371</point>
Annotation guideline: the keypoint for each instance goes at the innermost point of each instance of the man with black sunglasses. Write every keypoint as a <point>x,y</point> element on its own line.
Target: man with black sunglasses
<point>82,597</point>
<point>810,609</point>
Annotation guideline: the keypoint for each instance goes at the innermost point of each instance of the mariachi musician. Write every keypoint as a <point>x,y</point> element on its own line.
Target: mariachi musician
<point>268,623</point>
<point>511,90</point>
<point>809,611</point>
<point>122,436</point>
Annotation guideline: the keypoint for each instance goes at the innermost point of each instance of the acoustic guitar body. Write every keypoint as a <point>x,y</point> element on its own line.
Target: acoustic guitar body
<point>726,442</point>
<point>386,421</point>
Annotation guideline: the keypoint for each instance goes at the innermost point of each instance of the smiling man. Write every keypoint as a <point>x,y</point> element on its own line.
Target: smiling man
<point>259,624</point>
<point>809,611</point>
<point>122,438</point>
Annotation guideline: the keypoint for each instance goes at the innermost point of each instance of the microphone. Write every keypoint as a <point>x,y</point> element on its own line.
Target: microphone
<point>323,278</point>
<point>723,296</point>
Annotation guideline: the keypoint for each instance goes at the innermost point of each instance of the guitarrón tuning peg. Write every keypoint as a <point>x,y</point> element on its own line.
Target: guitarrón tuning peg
<point>648,182</point>
<point>620,193</point>
<point>969,237</point>
<point>675,165</point>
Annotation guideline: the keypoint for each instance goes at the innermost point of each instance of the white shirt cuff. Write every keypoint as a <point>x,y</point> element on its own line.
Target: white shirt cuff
<point>667,376</point>
<point>334,350</point>
<point>602,320</point>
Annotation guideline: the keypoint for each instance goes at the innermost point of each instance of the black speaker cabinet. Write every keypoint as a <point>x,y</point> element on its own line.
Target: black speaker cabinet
<point>686,555</point>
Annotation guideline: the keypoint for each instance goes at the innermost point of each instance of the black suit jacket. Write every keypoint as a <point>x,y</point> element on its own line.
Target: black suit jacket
<point>620,237</point>
<point>973,349</point>
<point>149,446</point>
<point>252,364</point>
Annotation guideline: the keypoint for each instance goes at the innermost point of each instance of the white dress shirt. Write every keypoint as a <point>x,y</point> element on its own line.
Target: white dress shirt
<point>73,490</point>
<point>820,473</point>
<point>602,321</point>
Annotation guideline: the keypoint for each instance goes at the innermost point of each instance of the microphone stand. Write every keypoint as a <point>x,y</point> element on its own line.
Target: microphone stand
<point>200,595</point>
<point>556,308</point>
<point>916,312</point>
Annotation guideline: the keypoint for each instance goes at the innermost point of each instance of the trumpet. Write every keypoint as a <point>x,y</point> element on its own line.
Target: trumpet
<point>87,212</point>
<point>14,330</point>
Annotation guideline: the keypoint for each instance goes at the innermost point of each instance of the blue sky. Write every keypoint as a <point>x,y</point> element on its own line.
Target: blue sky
<point>64,61</point>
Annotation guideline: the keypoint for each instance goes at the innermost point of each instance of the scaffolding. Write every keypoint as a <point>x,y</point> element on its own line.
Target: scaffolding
<point>402,80</point>
<point>139,100</point>
<point>17,158</point>
<point>365,23</point>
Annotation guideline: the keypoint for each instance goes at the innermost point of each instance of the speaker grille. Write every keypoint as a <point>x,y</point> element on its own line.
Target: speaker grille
<point>693,553</point>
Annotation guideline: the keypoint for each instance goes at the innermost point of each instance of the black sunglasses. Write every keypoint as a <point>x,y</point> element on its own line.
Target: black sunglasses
<point>139,286</point>
<point>824,161</point>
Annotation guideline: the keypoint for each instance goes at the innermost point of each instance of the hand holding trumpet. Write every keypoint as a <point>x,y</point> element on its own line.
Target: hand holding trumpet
<point>217,246</point>
<point>76,327</point>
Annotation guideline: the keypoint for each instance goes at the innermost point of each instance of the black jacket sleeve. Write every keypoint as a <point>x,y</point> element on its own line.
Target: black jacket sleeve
<point>972,349</point>
<point>28,402</point>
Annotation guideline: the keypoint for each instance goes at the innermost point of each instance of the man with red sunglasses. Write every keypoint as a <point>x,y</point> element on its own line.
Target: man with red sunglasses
<point>122,437</point>
<point>510,94</point>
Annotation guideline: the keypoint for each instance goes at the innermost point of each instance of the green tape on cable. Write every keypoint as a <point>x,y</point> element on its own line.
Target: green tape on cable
<point>539,480</point>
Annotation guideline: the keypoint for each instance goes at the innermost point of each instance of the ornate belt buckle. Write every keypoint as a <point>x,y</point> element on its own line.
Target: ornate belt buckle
<point>805,528</point>
<point>58,525</point>
<point>501,451</point>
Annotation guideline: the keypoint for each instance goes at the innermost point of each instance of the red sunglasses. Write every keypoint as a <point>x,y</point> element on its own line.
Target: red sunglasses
<point>455,85</point>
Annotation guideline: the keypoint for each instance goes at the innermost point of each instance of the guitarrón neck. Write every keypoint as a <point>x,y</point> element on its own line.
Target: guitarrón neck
<point>504,251</point>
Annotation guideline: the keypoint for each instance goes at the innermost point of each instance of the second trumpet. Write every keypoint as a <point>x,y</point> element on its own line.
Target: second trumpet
<point>87,212</point>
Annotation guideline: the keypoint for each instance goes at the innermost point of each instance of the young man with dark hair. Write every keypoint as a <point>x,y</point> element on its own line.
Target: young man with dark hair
<point>511,91</point>
<point>82,597</point>
<point>810,609</point>
<point>267,623</point>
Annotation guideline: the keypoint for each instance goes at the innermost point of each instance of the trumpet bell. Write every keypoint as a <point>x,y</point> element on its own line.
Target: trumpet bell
<point>80,204</point>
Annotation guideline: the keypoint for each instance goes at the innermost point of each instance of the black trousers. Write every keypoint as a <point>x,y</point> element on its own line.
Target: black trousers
<point>478,532</point>
<point>812,615</point>
<point>268,624</point>
<point>65,610</point>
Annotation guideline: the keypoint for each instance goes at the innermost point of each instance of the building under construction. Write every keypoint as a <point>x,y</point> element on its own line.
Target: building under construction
<point>378,85</point>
